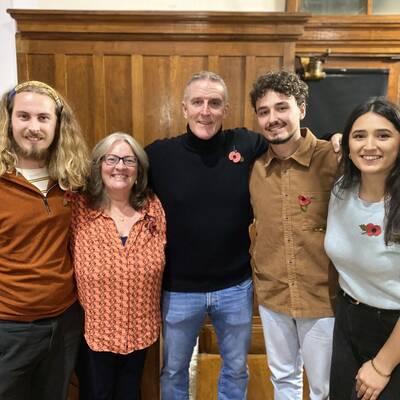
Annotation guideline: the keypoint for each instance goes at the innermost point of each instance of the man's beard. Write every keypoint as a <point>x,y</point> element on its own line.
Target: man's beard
<point>282,141</point>
<point>34,153</point>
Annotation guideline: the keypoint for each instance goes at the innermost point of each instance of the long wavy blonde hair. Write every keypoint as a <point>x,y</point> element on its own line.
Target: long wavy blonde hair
<point>68,161</point>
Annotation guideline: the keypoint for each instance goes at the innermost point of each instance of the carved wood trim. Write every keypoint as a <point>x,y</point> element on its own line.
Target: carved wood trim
<point>369,35</point>
<point>159,25</point>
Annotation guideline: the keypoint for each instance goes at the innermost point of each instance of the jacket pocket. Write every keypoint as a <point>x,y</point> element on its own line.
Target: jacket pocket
<point>314,214</point>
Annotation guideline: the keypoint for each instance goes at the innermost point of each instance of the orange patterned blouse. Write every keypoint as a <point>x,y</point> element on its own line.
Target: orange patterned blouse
<point>119,286</point>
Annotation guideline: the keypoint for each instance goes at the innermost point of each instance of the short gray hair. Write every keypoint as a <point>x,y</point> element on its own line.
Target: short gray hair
<point>95,187</point>
<point>206,76</point>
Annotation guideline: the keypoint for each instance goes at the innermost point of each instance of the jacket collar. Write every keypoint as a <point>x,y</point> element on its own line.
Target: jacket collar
<point>302,155</point>
<point>20,180</point>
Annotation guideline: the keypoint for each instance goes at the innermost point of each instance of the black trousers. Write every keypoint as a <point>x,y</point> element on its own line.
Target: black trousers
<point>37,358</point>
<point>108,376</point>
<point>360,331</point>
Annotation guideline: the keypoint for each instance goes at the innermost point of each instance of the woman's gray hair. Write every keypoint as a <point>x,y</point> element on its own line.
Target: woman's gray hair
<point>96,192</point>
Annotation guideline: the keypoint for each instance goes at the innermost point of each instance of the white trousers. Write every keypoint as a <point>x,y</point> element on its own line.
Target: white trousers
<point>292,342</point>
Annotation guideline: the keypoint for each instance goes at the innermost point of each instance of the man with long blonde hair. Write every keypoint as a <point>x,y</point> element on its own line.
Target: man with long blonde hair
<point>43,157</point>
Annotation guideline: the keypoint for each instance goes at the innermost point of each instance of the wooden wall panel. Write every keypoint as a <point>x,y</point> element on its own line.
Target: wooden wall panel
<point>194,47</point>
<point>98,100</point>
<point>60,73</point>
<point>79,89</point>
<point>287,59</point>
<point>157,111</point>
<point>41,67</point>
<point>22,66</point>
<point>232,69</point>
<point>118,93</point>
<point>138,105</point>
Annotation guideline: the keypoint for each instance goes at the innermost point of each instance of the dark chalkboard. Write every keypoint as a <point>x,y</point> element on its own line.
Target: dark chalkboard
<point>332,99</point>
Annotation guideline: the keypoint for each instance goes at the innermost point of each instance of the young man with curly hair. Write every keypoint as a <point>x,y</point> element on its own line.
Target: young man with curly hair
<point>293,278</point>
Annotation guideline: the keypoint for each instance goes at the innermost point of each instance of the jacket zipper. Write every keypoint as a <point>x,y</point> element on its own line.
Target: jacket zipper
<point>46,202</point>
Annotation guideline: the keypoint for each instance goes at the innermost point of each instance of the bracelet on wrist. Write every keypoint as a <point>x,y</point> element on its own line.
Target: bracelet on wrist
<point>377,370</point>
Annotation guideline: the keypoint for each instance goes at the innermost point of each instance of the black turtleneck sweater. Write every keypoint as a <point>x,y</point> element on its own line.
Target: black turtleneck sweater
<point>206,200</point>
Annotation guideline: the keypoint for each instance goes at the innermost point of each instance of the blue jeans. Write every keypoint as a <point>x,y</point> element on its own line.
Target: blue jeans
<point>230,311</point>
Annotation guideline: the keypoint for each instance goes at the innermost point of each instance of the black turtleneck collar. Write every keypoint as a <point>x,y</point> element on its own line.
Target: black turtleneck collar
<point>193,143</point>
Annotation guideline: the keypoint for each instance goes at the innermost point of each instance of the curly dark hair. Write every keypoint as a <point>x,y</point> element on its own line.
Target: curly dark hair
<point>287,83</point>
<point>351,175</point>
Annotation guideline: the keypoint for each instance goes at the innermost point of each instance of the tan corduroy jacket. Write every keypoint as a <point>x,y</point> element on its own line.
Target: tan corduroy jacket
<point>292,273</point>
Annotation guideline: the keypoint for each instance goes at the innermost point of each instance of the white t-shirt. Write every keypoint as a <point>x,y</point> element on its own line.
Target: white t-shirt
<point>38,177</point>
<point>369,271</point>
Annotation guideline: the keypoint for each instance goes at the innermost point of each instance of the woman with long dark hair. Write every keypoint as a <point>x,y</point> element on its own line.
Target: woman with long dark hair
<point>362,239</point>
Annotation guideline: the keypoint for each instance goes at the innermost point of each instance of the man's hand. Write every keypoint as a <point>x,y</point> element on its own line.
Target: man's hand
<point>336,141</point>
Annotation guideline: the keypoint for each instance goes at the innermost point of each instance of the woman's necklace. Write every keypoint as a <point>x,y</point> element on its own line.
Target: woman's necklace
<point>120,216</point>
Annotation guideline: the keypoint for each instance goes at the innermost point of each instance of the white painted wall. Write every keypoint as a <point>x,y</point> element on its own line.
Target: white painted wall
<point>8,66</point>
<point>181,5</point>
<point>8,59</point>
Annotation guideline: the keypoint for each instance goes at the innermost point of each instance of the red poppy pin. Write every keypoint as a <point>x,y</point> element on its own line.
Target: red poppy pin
<point>235,156</point>
<point>152,225</point>
<point>68,197</point>
<point>304,202</point>
<point>370,229</point>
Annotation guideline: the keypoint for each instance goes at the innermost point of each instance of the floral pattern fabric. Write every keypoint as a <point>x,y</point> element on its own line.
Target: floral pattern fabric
<point>119,286</point>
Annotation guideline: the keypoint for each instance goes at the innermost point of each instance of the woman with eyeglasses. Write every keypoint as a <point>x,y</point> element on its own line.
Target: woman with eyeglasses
<point>118,239</point>
<point>363,241</point>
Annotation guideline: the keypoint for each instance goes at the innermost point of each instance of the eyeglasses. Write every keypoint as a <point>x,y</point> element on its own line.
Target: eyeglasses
<point>112,159</point>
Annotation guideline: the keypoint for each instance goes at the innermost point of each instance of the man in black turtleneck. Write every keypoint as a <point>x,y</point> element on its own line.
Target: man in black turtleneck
<point>201,178</point>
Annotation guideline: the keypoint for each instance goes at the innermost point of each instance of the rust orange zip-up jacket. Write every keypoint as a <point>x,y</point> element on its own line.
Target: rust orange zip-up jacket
<point>36,276</point>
